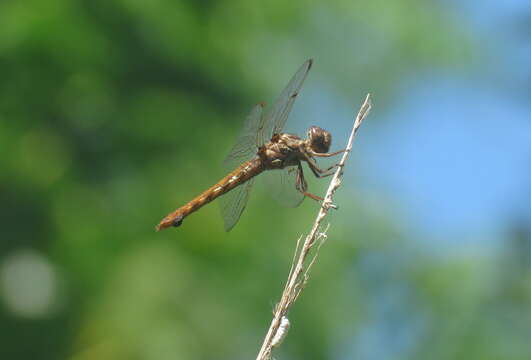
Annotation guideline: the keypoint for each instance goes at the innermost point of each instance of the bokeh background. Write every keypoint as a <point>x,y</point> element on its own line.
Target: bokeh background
<point>112,113</point>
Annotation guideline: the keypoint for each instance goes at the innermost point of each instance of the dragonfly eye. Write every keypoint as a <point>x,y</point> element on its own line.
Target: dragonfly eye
<point>320,139</point>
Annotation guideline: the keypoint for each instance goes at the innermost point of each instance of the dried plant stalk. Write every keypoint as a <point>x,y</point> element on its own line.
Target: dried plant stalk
<point>298,274</point>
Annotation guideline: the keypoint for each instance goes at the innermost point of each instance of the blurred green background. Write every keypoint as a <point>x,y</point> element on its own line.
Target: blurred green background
<point>113,113</point>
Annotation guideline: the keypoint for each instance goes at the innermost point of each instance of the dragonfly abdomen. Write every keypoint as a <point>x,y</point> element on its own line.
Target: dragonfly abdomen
<point>240,175</point>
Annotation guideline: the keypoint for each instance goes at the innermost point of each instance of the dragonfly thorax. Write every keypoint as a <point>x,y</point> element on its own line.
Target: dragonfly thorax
<point>283,150</point>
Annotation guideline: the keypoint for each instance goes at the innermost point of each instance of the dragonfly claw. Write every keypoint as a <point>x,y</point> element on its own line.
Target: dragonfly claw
<point>329,205</point>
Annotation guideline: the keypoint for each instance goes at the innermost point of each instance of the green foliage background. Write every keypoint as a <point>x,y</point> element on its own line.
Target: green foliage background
<point>114,112</point>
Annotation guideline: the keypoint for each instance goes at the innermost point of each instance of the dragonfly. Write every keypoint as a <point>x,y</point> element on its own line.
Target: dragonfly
<point>262,147</point>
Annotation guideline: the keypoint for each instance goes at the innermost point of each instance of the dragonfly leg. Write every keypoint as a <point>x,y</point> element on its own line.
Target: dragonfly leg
<point>321,173</point>
<point>317,171</point>
<point>302,185</point>
<point>316,154</point>
<point>326,172</point>
<point>312,196</point>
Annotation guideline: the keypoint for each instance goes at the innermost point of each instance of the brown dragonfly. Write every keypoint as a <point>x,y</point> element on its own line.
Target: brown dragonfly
<point>263,146</point>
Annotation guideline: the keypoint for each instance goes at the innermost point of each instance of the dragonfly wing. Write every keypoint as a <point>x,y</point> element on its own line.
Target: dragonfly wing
<point>282,186</point>
<point>246,144</point>
<point>259,127</point>
<point>258,130</point>
<point>233,203</point>
<point>276,117</point>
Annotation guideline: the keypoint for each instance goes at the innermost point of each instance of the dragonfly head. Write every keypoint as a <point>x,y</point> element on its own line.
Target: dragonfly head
<point>319,139</point>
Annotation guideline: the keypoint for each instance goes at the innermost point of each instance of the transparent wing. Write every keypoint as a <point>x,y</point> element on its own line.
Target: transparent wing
<point>282,186</point>
<point>277,115</point>
<point>247,142</point>
<point>258,130</point>
<point>233,203</point>
<point>259,127</point>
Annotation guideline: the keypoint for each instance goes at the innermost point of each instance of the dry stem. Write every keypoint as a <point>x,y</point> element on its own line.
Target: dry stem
<point>298,274</point>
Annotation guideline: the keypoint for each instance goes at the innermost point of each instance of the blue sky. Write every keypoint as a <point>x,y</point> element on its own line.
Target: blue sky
<point>452,152</point>
<point>459,158</point>
<point>454,155</point>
